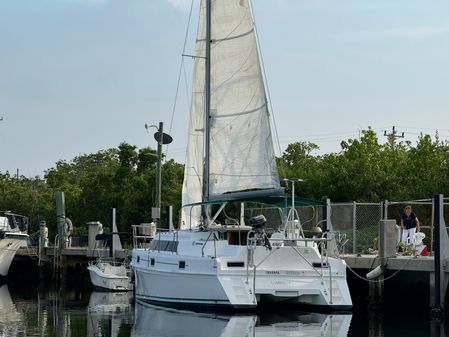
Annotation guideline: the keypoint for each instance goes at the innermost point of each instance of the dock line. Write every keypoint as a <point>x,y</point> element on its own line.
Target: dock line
<point>377,281</point>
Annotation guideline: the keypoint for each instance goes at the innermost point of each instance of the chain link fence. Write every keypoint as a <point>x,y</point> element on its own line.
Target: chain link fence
<point>357,221</point>
<point>360,221</point>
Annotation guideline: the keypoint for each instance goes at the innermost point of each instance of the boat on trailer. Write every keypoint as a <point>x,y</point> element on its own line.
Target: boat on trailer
<point>230,159</point>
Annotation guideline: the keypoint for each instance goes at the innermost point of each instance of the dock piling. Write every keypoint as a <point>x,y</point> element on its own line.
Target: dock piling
<point>441,242</point>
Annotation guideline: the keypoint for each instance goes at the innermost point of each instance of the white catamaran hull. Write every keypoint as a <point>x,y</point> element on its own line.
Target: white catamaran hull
<point>283,274</point>
<point>105,276</point>
<point>9,244</point>
<point>197,284</point>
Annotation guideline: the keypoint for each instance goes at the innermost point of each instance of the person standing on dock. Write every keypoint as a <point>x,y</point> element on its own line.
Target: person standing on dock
<point>410,225</point>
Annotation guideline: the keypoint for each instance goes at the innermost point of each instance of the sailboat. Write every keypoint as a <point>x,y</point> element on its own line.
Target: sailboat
<point>13,234</point>
<point>230,159</point>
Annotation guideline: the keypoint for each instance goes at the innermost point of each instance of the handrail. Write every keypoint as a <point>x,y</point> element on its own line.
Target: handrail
<point>307,261</point>
<point>207,240</point>
<point>310,239</point>
<point>175,239</point>
<point>330,282</point>
<point>145,235</point>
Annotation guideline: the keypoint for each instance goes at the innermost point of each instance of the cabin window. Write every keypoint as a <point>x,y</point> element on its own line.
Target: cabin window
<point>236,264</point>
<point>164,245</point>
<point>182,264</point>
<point>152,261</point>
<point>318,265</point>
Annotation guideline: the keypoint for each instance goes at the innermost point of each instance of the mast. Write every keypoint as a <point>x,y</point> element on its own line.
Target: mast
<point>207,105</point>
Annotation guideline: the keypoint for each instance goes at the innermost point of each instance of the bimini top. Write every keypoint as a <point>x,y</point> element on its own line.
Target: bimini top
<point>276,201</point>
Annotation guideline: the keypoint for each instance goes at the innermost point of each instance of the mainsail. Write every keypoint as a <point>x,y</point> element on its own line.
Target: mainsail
<point>241,153</point>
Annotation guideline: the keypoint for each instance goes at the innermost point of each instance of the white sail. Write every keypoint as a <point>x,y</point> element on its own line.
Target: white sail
<point>241,153</point>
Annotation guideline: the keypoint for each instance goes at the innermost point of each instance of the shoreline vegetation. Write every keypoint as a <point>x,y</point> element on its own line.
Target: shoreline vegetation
<point>124,177</point>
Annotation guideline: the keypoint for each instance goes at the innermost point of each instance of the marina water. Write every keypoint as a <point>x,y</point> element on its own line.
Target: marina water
<point>27,310</point>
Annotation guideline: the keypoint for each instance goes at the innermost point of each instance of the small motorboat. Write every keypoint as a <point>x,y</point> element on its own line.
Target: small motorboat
<point>108,273</point>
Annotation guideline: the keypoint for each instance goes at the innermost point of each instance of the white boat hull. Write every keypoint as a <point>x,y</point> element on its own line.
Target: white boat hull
<point>105,276</point>
<point>201,286</point>
<point>9,244</point>
<point>283,274</point>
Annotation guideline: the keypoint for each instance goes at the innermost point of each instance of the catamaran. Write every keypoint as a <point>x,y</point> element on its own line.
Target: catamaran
<point>230,159</point>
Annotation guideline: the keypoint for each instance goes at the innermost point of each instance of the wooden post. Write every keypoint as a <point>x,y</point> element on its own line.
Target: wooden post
<point>354,227</point>
<point>60,220</point>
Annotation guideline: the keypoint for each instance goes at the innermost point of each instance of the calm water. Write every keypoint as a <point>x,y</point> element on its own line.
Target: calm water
<point>28,311</point>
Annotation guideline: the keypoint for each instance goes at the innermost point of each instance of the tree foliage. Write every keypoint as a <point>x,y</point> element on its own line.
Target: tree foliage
<point>124,178</point>
<point>365,170</point>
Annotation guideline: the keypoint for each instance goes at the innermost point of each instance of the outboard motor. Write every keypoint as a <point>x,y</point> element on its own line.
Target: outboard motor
<point>257,222</point>
<point>258,233</point>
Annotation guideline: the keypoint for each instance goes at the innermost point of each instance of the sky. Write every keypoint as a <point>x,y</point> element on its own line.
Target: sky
<point>80,76</point>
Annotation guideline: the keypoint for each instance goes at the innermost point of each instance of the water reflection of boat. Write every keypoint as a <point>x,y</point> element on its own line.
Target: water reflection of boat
<point>11,320</point>
<point>107,311</point>
<point>304,324</point>
<point>151,320</point>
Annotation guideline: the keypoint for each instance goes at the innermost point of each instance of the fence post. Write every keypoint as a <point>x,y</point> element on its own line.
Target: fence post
<point>354,227</point>
<point>385,217</point>
<point>437,305</point>
<point>432,226</point>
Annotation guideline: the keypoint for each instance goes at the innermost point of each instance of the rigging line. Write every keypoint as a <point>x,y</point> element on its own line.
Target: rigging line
<point>187,85</point>
<point>268,91</point>
<point>181,67</point>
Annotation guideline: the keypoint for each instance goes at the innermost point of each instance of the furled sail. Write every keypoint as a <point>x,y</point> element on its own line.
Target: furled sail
<point>241,153</point>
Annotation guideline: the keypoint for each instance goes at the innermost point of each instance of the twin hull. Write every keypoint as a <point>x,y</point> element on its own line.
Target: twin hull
<point>286,273</point>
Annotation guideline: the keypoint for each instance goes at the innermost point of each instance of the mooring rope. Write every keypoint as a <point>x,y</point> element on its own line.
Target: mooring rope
<point>377,281</point>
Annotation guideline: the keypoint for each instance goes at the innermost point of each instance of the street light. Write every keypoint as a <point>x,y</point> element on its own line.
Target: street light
<point>162,139</point>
